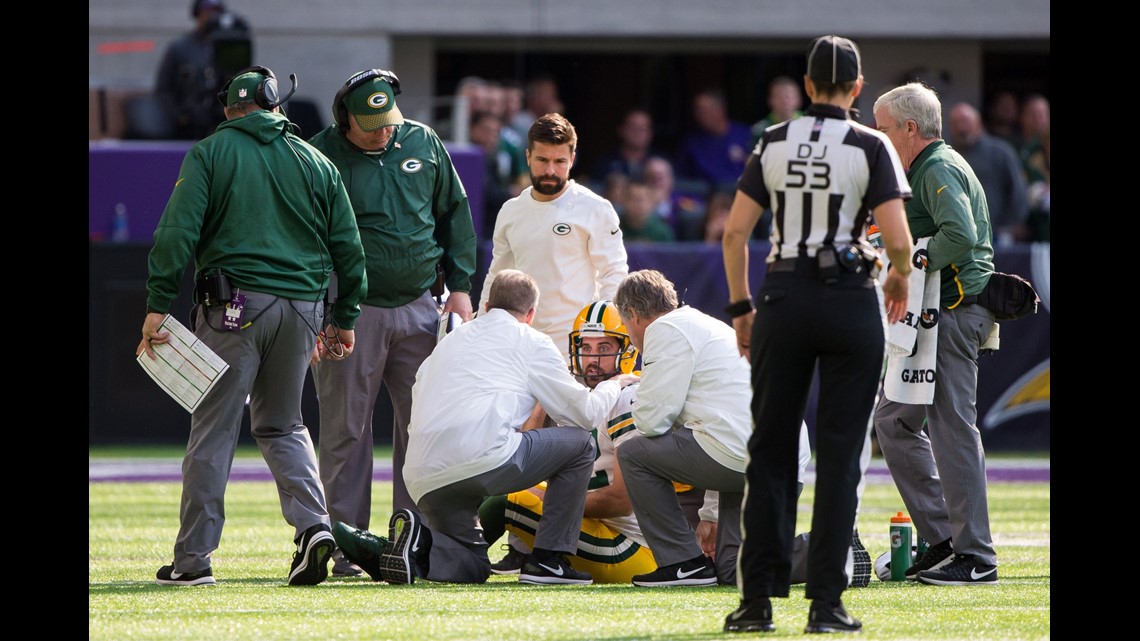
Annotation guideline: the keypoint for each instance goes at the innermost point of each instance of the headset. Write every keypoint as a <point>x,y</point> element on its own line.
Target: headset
<point>266,95</point>
<point>340,112</point>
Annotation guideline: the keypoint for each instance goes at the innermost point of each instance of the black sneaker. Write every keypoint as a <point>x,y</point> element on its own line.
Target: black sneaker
<point>311,560</point>
<point>360,547</point>
<point>861,568</point>
<point>754,615</point>
<point>965,569</point>
<point>397,563</point>
<point>511,563</point>
<point>935,557</point>
<point>825,617</point>
<point>555,570</point>
<point>698,571</point>
<point>167,576</point>
<point>343,566</point>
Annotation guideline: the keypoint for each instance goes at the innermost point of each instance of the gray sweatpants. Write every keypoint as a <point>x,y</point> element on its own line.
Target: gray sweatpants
<point>561,456</point>
<point>268,361</point>
<point>941,472</point>
<point>649,467</point>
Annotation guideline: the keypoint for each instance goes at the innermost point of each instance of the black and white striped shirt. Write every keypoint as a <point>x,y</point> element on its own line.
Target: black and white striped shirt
<point>821,175</point>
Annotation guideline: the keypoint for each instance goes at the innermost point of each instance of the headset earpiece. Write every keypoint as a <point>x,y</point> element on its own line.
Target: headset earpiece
<point>340,112</point>
<point>266,95</point>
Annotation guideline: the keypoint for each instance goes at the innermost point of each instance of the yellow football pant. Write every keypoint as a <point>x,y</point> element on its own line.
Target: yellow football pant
<point>606,554</point>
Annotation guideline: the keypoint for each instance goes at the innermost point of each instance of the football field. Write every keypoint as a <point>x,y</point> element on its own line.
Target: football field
<point>133,499</point>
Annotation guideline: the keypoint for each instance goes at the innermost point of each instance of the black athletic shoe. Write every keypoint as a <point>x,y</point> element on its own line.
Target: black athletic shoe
<point>754,615</point>
<point>825,617</point>
<point>311,560</point>
<point>167,576</point>
<point>935,557</point>
<point>361,548</point>
<point>861,569</point>
<point>343,566</point>
<point>700,572</point>
<point>511,563</point>
<point>555,570</point>
<point>965,569</point>
<point>398,563</point>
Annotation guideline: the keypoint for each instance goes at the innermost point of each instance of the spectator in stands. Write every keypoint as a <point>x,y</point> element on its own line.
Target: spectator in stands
<point>1034,121</point>
<point>512,104</point>
<point>638,222</point>
<point>505,172</point>
<point>998,168</point>
<point>1039,195</point>
<point>512,101</point>
<point>717,149</point>
<point>716,214</point>
<point>1001,117</point>
<point>784,102</point>
<point>683,209</point>
<point>471,95</point>
<point>540,98</point>
<point>187,80</point>
<point>635,146</point>
<point>613,190</point>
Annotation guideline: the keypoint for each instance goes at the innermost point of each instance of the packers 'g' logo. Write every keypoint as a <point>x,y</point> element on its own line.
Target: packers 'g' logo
<point>561,229</point>
<point>378,100</point>
<point>412,165</point>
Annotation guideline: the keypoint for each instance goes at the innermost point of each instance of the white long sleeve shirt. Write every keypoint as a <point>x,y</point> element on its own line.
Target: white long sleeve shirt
<point>475,390</point>
<point>572,246</point>
<point>692,375</point>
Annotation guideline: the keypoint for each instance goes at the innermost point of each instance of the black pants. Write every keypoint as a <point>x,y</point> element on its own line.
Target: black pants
<point>801,322</point>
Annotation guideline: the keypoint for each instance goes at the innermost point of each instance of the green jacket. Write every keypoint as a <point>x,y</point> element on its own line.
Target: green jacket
<point>949,205</point>
<point>269,210</point>
<point>411,209</point>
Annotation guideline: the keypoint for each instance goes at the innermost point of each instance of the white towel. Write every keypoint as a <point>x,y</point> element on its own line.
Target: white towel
<point>912,342</point>
<point>902,334</point>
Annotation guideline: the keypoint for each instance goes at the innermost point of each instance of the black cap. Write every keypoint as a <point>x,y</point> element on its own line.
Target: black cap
<point>834,59</point>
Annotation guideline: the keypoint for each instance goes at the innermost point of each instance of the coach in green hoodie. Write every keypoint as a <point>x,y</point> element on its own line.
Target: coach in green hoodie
<point>413,216</point>
<point>266,218</point>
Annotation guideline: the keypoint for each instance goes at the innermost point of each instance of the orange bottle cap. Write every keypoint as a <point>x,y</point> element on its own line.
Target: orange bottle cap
<point>900,518</point>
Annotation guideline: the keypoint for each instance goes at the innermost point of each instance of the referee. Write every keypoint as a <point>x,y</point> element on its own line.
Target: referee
<point>821,174</point>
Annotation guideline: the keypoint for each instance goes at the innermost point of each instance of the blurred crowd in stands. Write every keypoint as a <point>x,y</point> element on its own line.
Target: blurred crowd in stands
<point>684,194</point>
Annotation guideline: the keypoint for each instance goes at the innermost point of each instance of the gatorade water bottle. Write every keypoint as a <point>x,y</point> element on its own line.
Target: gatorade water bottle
<point>874,236</point>
<point>902,532</point>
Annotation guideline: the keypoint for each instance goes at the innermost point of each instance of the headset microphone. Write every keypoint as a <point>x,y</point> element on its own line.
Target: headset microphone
<point>278,103</point>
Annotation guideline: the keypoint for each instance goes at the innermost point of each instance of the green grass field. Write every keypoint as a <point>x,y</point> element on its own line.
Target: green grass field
<point>131,530</point>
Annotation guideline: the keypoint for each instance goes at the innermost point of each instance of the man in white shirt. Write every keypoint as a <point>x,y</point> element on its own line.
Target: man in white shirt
<point>558,231</point>
<point>611,547</point>
<point>693,423</point>
<point>470,399</point>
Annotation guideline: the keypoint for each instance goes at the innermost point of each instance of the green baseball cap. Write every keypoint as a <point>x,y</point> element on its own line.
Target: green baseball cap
<point>244,87</point>
<point>373,104</point>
